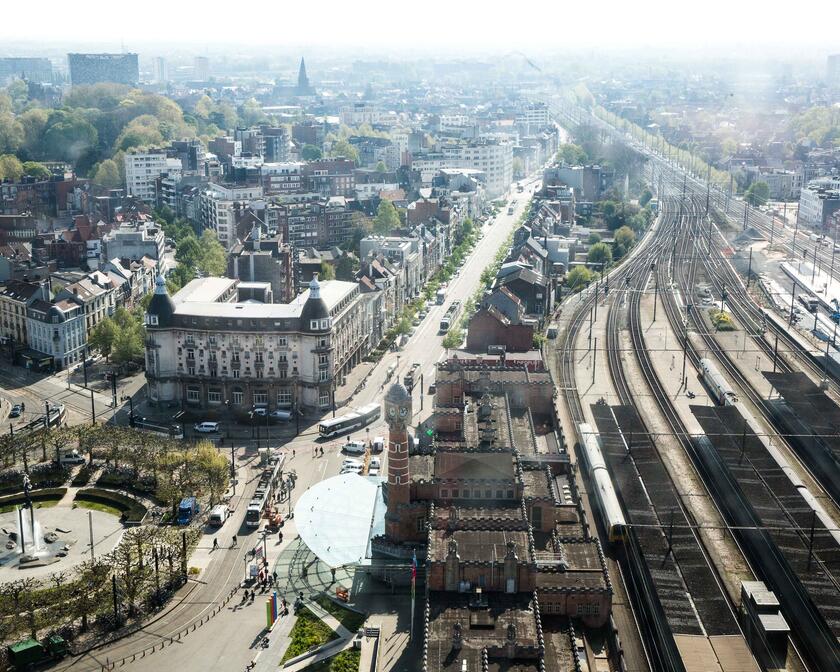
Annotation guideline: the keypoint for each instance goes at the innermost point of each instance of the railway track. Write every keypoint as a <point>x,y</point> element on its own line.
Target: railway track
<point>777,553</point>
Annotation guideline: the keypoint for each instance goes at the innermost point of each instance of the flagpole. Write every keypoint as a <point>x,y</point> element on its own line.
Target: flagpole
<point>413,580</point>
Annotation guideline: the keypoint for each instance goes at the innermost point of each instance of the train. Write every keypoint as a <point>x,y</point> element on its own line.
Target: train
<point>610,509</point>
<point>722,391</point>
<point>264,494</point>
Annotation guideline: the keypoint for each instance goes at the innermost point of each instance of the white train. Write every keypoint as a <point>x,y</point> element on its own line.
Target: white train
<point>600,481</point>
<point>720,389</point>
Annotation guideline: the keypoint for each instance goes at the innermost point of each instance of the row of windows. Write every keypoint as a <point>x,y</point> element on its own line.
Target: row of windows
<point>258,398</point>
<point>476,493</point>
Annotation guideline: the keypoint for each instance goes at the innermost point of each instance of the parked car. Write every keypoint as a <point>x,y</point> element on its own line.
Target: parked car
<point>374,463</point>
<point>354,447</point>
<point>351,462</point>
<point>378,444</point>
<point>260,411</point>
<point>206,427</point>
<point>280,415</point>
<point>16,411</point>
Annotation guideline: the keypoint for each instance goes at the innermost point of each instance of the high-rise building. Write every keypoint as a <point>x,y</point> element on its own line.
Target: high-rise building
<point>161,70</point>
<point>96,68</point>
<point>832,70</point>
<point>201,69</point>
<point>37,70</point>
<point>142,170</point>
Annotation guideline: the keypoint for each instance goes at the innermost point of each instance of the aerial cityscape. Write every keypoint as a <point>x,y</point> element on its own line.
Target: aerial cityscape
<point>435,339</point>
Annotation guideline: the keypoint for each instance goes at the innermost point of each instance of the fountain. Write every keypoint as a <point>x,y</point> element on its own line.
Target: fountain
<point>30,542</point>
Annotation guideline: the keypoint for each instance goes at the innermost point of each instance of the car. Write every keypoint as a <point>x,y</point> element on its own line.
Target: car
<point>373,472</point>
<point>374,463</point>
<point>351,470</point>
<point>280,415</point>
<point>422,314</point>
<point>260,411</point>
<point>432,387</point>
<point>16,411</point>
<point>354,447</point>
<point>416,322</point>
<point>378,444</point>
<point>206,427</point>
<point>351,462</point>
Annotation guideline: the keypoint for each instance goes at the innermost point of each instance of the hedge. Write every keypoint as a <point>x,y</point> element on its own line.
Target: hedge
<point>42,495</point>
<point>133,511</point>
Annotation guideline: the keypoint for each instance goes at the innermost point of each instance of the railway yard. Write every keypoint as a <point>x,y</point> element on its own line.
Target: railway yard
<point>705,417</point>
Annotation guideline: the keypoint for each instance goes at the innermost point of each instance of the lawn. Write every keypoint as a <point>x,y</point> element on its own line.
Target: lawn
<point>98,506</point>
<point>346,661</point>
<point>307,632</point>
<point>43,504</point>
<point>347,617</point>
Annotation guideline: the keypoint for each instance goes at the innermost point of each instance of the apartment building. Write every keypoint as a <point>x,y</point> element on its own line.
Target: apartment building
<point>15,298</point>
<point>96,68</point>
<point>220,206</point>
<point>142,169</point>
<point>57,331</point>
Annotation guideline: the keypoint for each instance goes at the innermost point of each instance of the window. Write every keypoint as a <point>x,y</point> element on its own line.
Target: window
<point>258,356</point>
<point>283,373</point>
<point>260,398</point>
<point>235,356</point>
<point>488,494</point>
<point>324,400</point>
<point>589,609</point>
<point>510,494</point>
<point>325,323</point>
<point>454,492</point>
<point>237,396</point>
<point>284,398</point>
<point>212,358</point>
<point>214,397</point>
<point>236,373</point>
<point>477,493</point>
<point>282,341</point>
<point>190,370</point>
<point>499,494</point>
<point>313,325</point>
<point>190,354</point>
<point>323,358</point>
<point>444,494</point>
<point>193,394</point>
<point>324,375</point>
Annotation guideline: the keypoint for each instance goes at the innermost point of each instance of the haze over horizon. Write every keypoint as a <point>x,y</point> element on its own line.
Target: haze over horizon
<point>373,26</point>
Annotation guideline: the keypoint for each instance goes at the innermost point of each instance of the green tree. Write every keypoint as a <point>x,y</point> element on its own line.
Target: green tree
<point>10,167</point>
<point>594,237</point>
<point>327,271</point>
<point>757,194</point>
<point>386,218</point>
<point>345,269</point>
<point>36,169</point>
<point>213,259</point>
<point>107,175</point>
<point>310,153</point>
<point>344,148</point>
<point>571,154</point>
<point>102,337</point>
<point>142,131</point>
<point>251,113</point>
<point>34,122</point>
<point>128,345</point>
<point>625,237</point>
<point>645,198</point>
<point>380,167</point>
<point>601,254</point>
<point>68,136</point>
<point>579,277</point>
<point>11,133</point>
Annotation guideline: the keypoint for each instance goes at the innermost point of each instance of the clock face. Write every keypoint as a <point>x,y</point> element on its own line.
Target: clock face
<point>403,411</point>
<point>392,411</point>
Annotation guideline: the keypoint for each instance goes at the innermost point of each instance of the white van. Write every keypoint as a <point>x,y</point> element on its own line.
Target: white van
<point>374,463</point>
<point>218,515</point>
<point>378,444</point>
<point>206,427</point>
<point>71,457</point>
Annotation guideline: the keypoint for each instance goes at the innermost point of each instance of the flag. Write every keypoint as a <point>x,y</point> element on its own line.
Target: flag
<point>413,571</point>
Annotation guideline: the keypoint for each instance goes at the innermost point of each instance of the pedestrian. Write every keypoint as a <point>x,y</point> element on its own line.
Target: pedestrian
<point>234,541</point>
<point>280,537</point>
<point>274,575</point>
<point>215,543</point>
<point>293,452</point>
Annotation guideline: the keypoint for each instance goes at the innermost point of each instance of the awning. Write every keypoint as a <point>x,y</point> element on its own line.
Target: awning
<point>337,518</point>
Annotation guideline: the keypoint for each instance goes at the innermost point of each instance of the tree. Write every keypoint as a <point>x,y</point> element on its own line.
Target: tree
<point>68,136</point>
<point>310,153</point>
<point>345,269</point>
<point>380,167</point>
<point>327,271</point>
<point>102,337</point>
<point>386,218</point>
<point>625,237</point>
<point>344,148</point>
<point>36,169</point>
<point>757,194</point>
<point>213,259</point>
<point>594,237</point>
<point>578,278</point>
<point>600,254</point>
<point>645,198</point>
<point>128,346</point>
<point>108,175</point>
<point>11,133</point>
<point>10,168</point>
<point>33,123</point>
<point>571,154</point>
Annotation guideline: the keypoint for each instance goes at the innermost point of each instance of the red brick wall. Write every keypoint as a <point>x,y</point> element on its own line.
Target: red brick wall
<point>485,330</point>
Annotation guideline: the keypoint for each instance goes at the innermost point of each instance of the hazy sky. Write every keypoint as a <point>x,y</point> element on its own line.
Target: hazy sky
<point>452,25</point>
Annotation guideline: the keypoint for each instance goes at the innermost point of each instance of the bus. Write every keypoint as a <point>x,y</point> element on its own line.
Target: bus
<point>449,318</point>
<point>440,296</point>
<point>350,421</point>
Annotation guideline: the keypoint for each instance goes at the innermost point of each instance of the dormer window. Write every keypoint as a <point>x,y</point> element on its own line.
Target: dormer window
<point>313,324</point>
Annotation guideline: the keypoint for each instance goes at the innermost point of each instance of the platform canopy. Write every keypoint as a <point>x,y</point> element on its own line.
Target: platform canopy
<point>337,518</point>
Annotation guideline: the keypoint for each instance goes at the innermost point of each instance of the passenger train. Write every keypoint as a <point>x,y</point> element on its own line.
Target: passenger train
<point>722,392</point>
<point>612,514</point>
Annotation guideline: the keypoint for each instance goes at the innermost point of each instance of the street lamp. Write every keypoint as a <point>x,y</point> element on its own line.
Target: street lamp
<point>130,400</point>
